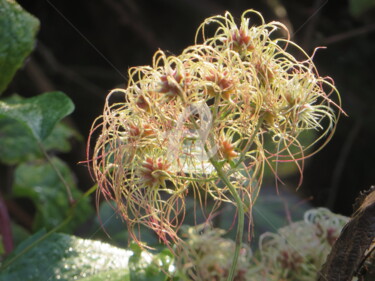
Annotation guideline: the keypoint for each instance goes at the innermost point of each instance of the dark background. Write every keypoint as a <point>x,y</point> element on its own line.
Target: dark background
<point>85,48</point>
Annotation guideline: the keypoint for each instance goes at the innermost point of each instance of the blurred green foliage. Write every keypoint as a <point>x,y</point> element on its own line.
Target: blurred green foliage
<point>359,7</point>
<point>39,182</point>
<point>17,33</point>
<point>66,257</point>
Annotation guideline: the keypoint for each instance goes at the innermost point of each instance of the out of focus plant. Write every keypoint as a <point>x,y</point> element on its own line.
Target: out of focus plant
<point>198,122</point>
<point>32,133</point>
<point>206,255</point>
<point>295,252</point>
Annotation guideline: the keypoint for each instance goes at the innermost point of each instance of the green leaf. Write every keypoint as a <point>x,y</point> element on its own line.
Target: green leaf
<point>63,257</point>
<point>59,138</point>
<point>39,182</point>
<point>112,275</point>
<point>17,144</point>
<point>17,39</point>
<point>19,233</point>
<point>359,7</point>
<point>27,242</point>
<point>39,114</point>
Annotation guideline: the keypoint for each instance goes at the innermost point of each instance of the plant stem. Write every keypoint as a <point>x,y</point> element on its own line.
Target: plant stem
<point>240,220</point>
<point>239,204</point>
<point>241,214</point>
<point>67,187</point>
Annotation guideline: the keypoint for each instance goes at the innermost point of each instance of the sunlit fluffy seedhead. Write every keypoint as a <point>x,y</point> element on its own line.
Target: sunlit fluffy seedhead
<point>219,99</point>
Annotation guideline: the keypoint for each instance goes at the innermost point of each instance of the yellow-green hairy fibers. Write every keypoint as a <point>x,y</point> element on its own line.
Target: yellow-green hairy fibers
<point>196,123</point>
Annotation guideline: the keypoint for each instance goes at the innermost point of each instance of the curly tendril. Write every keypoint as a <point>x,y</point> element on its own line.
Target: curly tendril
<point>214,105</point>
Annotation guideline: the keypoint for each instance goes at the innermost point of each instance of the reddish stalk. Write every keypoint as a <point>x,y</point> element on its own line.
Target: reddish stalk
<point>5,228</point>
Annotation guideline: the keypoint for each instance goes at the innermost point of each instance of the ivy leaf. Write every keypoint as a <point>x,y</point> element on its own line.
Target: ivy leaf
<point>65,257</point>
<point>27,242</point>
<point>113,275</point>
<point>40,114</point>
<point>39,182</point>
<point>59,138</point>
<point>17,39</point>
<point>19,233</point>
<point>17,143</point>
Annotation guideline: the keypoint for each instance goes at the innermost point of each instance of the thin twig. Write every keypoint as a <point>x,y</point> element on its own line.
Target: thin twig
<point>23,217</point>
<point>201,6</point>
<point>341,161</point>
<point>38,76</point>
<point>280,11</point>
<point>349,34</point>
<point>127,19</point>
<point>61,177</point>
<point>51,61</point>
